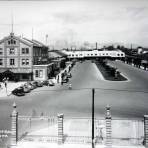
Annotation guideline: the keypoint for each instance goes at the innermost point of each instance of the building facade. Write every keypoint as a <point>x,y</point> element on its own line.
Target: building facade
<point>94,53</point>
<point>18,57</point>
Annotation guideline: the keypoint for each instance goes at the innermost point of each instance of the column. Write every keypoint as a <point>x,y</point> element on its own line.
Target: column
<point>146,130</point>
<point>14,126</point>
<point>108,118</point>
<point>60,129</point>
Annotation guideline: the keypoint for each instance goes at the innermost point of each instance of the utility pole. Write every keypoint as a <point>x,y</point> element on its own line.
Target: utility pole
<point>131,47</point>
<point>96,46</point>
<point>46,38</point>
<point>12,22</point>
<point>32,33</point>
<point>93,93</point>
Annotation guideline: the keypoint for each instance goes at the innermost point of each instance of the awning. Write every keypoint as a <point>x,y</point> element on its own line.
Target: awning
<point>17,71</point>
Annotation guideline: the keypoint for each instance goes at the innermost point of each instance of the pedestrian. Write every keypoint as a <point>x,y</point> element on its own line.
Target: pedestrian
<point>70,86</point>
<point>5,83</point>
<point>4,79</point>
<point>0,86</point>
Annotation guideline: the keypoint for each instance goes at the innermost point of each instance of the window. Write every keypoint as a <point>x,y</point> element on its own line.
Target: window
<point>1,51</point>
<point>11,42</point>
<point>39,73</point>
<point>25,50</point>
<point>118,54</point>
<point>1,62</point>
<point>12,61</point>
<point>25,61</point>
<point>36,73</point>
<point>12,51</point>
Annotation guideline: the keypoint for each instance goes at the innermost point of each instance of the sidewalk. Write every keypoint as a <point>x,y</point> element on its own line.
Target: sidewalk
<point>10,86</point>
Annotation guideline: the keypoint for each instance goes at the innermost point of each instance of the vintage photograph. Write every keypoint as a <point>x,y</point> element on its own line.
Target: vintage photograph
<point>73,73</point>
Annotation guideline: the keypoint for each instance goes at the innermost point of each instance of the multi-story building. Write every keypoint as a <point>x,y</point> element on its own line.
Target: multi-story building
<point>21,59</point>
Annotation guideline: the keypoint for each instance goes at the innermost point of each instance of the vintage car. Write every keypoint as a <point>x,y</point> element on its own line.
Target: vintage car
<point>18,91</point>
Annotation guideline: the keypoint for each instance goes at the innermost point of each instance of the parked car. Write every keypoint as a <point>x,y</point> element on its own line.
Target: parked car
<point>46,82</point>
<point>18,91</point>
<point>35,84</point>
<point>39,83</point>
<point>26,88</point>
<point>51,83</point>
<point>30,86</point>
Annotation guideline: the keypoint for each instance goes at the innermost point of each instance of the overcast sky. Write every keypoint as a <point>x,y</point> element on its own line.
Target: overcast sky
<point>69,21</point>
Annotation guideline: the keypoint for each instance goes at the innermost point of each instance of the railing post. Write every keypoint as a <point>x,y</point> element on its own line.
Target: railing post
<point>146,130</point>
<point>14,126</point>
<point>108,118</point>
<point>60,129</point>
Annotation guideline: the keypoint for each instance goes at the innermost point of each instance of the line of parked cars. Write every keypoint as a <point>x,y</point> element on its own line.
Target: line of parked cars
<point>28,86</point>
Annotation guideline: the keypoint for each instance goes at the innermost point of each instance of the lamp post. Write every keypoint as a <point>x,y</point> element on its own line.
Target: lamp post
<point>93,93</point>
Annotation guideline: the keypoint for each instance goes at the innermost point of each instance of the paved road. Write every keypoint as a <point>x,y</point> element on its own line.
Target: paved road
<point>77,102</point>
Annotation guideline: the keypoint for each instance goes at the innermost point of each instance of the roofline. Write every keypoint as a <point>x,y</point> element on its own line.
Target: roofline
<point>16,37</point>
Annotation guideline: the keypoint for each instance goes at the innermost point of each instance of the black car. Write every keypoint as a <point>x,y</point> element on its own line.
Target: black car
<point>46,83</point>
<point>18,91</point>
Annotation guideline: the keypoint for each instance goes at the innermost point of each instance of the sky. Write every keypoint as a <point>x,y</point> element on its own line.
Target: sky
<point>73,22</point>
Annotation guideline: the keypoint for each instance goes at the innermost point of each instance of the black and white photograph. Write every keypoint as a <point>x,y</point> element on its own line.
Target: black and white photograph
<point>73,73</point>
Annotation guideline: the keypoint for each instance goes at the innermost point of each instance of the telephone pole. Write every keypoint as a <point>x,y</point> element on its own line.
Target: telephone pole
<point>93,93</point>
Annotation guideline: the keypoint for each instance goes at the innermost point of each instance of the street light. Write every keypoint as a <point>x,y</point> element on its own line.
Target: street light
<point>93,92</point>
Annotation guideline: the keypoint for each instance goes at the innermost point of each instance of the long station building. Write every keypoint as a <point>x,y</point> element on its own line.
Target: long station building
<point>115,54</point>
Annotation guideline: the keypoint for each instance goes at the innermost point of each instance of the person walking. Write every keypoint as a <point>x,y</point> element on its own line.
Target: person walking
<point>70,86</point>
<point>0,85</point>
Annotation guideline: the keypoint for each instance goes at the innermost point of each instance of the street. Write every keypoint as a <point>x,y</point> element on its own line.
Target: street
<point>127,99</point>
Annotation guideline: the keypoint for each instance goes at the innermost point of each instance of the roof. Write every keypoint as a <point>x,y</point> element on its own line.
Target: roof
<point>56,54</point>
<point>24,40</point>
<point>17,38</point>
<point>35,42</point>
